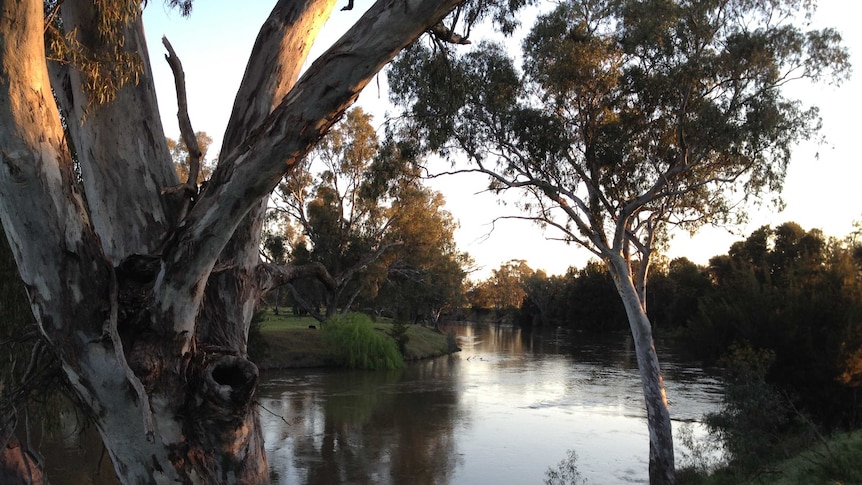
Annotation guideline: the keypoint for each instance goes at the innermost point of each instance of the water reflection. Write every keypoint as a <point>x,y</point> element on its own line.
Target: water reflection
<point>72,454</point>
<point>502,411</point>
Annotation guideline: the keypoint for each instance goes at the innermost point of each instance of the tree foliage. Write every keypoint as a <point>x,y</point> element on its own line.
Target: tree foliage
<point>795,293</point>
<point>426,272</point>
<point>505,288</point>
<point>180,157</point>
<point>625,118</point>
<point>618,123</point>
<point>365,216</point>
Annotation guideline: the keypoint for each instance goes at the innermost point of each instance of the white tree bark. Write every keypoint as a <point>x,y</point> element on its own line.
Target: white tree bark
<point>117,284</point>
<point>58,254</point>
<point>123,176</point>
<point>661,462</point>
<point>280,50</point>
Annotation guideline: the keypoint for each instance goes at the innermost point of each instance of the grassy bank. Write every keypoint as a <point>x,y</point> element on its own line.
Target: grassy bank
<point>838,461</point>
<point>298,342</point>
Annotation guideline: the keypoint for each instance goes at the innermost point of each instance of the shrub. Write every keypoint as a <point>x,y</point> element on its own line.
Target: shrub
<point>398,332</point>
<point>356,344</point>
<point>566,472</point>
<point>754,418</point>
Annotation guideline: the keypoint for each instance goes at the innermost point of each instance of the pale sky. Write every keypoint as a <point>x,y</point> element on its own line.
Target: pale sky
<point>820,191</point>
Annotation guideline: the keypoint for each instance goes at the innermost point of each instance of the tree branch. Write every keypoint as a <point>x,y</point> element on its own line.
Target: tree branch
<point>111,330</point>
<point>445,34</point>
<point>250,171</point>
<point>271,275</point>
<point>186,131</point>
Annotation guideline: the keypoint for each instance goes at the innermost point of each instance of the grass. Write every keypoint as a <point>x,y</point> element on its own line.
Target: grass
<point>838,461</point>
<point>291,343</point>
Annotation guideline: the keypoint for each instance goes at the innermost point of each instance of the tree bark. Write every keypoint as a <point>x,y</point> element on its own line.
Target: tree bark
<point>148,311</point>
<point>661,454</point>
<point>123,176</point>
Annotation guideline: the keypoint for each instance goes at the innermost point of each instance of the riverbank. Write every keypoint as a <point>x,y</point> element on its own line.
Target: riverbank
<point>297,342</point>
<point>832,461</point>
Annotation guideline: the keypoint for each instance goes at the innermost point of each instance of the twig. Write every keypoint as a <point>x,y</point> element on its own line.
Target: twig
<point>273,413</point>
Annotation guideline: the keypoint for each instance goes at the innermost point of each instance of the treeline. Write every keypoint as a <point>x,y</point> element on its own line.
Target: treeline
<point>791,296</point>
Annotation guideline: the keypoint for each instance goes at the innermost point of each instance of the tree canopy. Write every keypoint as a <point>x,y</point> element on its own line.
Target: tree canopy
<point>617,123</point>
<point>360,206</point>
<point>625,118</point>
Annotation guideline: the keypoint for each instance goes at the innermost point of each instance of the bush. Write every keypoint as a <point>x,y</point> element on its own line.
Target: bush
<point>755,419</point>
<point>566,472</point>
<point>356,344</point>
<point>398,332</point>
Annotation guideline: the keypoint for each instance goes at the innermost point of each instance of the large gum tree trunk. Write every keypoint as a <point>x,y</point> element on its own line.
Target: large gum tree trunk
<point>661,455</point>
<point>146,305</point>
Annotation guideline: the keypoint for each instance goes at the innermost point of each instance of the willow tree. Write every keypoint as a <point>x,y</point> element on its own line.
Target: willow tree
<point>144,285</point>
<point>628,117</point>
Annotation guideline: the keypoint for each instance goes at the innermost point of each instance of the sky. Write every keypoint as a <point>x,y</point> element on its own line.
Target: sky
<point>822,189</point>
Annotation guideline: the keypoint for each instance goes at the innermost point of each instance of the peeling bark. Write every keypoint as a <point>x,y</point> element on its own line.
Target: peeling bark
<point>123,176</point>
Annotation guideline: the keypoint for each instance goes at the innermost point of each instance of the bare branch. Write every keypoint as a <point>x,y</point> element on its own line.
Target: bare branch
<point>250,170</point>
<point>186,131</point>
<point>363,263</point>
<point>305,304</point>
<point>271,275</point>
<point>445,34</point>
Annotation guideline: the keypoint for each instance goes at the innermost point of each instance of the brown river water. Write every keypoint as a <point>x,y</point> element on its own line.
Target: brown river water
<point>502,411</point>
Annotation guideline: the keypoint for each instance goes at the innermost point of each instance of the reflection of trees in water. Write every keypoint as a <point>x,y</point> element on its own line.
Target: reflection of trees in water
<point>424,450</point>
<point>72,451</point>
<point>374,427</point>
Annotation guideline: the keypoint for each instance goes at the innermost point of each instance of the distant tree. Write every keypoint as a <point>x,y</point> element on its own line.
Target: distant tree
<point>181,158</point>
<point>542,294</point>
<point>343,215</point>
<point>628,117</point>
<point>479,295</point>
<point>372,224</point>
<point>796,294</point>
<point>504,289</point>
<point>275,249</point>
<point>425,273</point>
<point>593,303</point>
<point>674,292</point>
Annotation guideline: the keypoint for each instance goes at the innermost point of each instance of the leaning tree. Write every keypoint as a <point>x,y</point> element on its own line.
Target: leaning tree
<point>628,117</point>
<point>144,285</point>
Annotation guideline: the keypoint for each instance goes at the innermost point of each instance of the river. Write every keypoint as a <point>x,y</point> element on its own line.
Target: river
<point>502,411</point>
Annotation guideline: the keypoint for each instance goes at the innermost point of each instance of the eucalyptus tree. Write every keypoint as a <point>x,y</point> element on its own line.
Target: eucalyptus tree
<point>181,157</point>
<point>425,273</point>
<point>29,375</point>
<point>142,284</point>
<point>629,117</point>
<point>368,220</point>
<point>344,208</point>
